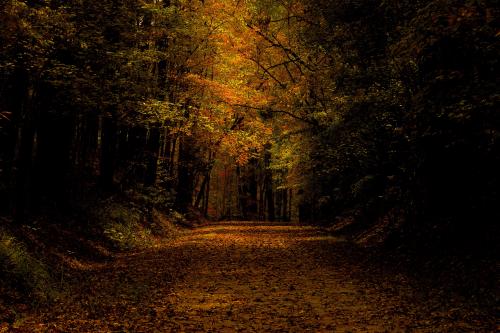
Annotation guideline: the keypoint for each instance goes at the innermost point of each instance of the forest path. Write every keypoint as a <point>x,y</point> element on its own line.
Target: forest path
<point>246,277</point>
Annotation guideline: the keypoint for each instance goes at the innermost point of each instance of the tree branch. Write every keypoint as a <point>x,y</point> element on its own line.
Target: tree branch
<point>288,113</point>
<point>277,43</point>
<point>282,85</point>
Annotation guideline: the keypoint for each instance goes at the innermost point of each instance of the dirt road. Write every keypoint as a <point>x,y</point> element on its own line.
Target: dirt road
<point>251,277</point>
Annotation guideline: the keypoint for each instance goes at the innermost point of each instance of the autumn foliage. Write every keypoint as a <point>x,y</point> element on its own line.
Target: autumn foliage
<point>378,119</point>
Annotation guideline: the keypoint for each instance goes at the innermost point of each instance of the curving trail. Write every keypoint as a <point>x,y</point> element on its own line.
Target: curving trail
<point>249,277</point>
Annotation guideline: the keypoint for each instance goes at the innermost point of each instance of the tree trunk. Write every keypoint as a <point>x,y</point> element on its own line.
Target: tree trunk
<point>22,171</point>
<point>153,147</point>
<point>54,139</point>
<point>278,196</point>
<point>268,183</point>
<point>108,153</point>
<point>207,196</point>
<point>252,205</point>
<point>284,214</point>
<point>185,176</point>
<point>171,162</point>
<point>202,192</point>
<point>23,155</point>
<point>241,200</point>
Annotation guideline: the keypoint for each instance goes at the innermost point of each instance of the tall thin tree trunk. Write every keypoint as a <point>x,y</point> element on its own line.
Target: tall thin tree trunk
<point>207,196</point>
<point>241,202</point>
<point>153,146</point>
<point>278,199</point>
<point>23,156</point>
<point>262,207</point>
<point>108,152</point>
<point>268,183</point>
<point>284,213</point>
<point>172,157</point>
<point>202,192</point>
<point>22,171</point>
<point>185,176</point>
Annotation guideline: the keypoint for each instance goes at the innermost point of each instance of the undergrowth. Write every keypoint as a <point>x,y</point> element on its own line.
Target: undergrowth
<point>22,270</point>
<point>121,225</point>
<point>41,260</point>
<point>138,218</point>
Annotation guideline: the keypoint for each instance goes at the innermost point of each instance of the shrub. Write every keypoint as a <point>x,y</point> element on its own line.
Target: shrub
<point>122,226</point>
<point>19,267</point>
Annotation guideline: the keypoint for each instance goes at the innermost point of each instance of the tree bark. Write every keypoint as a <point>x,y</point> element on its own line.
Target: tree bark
<point>201,194</point>
<point>152,149</point>
<point>23,155</point>
<point>285,205</point>
<point>268,183</point>
<point>108,153</point>
<point>185,178</point>
<point>22,172</point>
<point>207,196</point>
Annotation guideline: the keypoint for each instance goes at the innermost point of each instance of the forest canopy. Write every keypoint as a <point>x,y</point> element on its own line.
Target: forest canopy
<point>376,111</point>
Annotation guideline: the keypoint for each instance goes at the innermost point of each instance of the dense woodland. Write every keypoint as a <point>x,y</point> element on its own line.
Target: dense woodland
<point>255,109</point>
<point>354,114</point>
